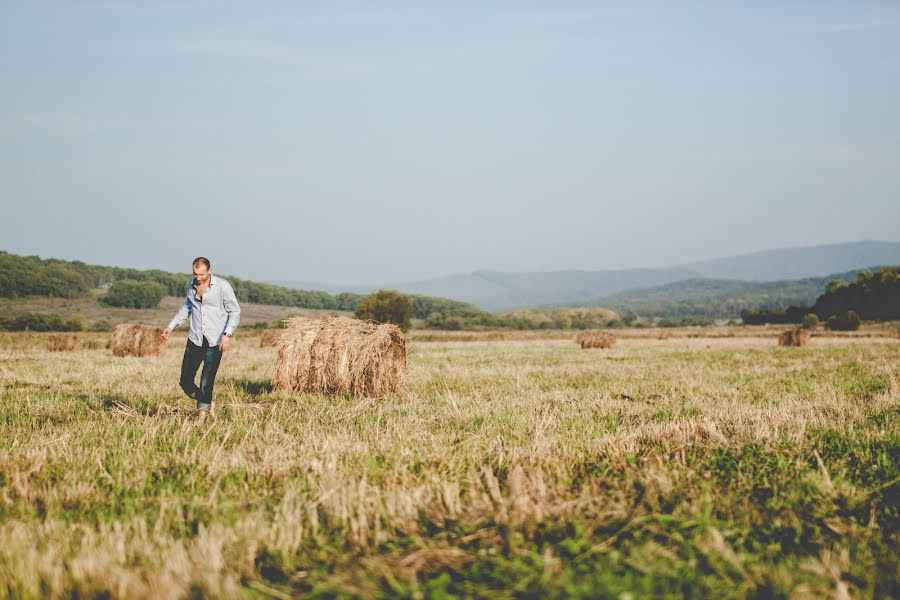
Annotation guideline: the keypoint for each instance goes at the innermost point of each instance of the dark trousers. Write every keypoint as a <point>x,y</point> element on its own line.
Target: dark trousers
<point>210,356</point>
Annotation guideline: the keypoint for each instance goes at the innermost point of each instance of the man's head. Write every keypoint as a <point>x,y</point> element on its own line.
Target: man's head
<point>202,270</point>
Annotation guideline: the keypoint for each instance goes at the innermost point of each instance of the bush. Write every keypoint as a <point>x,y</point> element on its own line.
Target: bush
<point>809,321</point>
<point>101,325</point>
<point>40,322</point>
<point>776,315</point>
<point>848,321</point>
<point>685,322</point>
<point>386,306</point>
<point>131,293</point>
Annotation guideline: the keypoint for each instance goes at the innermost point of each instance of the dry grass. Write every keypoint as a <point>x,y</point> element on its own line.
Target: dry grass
<point>338,355</point>
<point>136,339</point>
<point>63,342</point>
<point>724,467</point>
<point>269,337</point>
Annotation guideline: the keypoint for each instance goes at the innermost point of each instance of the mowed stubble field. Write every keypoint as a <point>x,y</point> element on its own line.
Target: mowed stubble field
<point>702,466</point>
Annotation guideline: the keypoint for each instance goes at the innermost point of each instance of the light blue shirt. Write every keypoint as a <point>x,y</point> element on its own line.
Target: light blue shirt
<point>213,315</point>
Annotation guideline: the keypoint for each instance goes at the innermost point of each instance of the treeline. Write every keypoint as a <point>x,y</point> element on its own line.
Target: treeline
<point>134,288</point>
<point>874,296</point>
<point>33,276</point>
<point>469,318</point>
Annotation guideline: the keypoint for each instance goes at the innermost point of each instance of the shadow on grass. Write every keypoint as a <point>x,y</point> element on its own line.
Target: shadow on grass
<point>252,388</point>
<point>118,403</point>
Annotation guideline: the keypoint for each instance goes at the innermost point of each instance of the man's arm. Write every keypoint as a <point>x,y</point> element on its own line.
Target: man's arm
<point>179,318</point>
<point>232,309</point>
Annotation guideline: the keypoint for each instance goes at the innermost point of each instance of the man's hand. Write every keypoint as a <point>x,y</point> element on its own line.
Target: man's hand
<point>166,333</point>
<point>224,343</point>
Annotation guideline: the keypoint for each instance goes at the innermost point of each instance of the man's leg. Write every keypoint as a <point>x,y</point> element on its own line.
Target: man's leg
<point>193,354</point>
<point>212,358</point>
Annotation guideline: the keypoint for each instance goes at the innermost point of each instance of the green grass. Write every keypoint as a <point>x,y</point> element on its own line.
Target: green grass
<point>522,467</point>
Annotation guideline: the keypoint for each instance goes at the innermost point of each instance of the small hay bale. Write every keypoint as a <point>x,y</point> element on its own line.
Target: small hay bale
<point>269,337</point>
<point>136,339</point>
<point>339,355</point>
<point>793,337</point>
<point>65,342</point>
<point>594,338</point>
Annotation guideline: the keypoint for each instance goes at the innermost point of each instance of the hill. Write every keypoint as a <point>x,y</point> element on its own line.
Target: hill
<point>799,263</point>
<point>71,289</point>
<point>95,315</point>
<point>504,291</point>
<point>34,277</point>
<point>719,298</point>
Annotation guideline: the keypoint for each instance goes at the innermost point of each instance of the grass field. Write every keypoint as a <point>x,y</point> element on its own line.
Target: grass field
<point>706,466</point>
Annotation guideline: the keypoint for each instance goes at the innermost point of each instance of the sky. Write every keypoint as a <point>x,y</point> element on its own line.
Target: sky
<point>371,142</point>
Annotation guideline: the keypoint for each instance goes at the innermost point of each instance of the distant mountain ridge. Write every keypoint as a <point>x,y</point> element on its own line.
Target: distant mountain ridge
<point>799,263</point>
<point>503,291</point>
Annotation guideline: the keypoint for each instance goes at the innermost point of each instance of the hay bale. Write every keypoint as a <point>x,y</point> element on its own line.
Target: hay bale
<point>269,337</point>
<point>64,342</point>
<point>136,339</point>
<point>339,355</point>
<point>793,337</point>
<point>594,338</point>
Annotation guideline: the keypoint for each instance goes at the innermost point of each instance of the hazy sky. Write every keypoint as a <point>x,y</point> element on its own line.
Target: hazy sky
<point>366,142</point>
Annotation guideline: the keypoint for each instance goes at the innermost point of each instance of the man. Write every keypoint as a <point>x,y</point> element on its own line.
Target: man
<point>215,314</point>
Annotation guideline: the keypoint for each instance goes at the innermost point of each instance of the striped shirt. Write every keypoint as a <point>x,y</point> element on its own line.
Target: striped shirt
<point>213,315</point>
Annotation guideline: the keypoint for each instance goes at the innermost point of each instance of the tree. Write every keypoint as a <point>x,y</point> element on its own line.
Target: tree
<point>386,306</point>
<point>809,321</point>
<point>848,321</point>
<point>130,293</point>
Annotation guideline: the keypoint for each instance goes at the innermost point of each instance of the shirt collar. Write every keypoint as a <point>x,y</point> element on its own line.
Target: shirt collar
<point>212,281</point>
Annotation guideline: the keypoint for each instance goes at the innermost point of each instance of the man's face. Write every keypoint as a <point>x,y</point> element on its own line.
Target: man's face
<point>201,274</point>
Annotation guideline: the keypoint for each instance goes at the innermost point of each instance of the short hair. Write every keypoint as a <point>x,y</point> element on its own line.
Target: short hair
<point>202,259</point>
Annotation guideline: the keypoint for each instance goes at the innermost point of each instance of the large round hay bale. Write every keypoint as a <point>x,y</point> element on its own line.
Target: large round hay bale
<point>64,342</point>
<point>339,355</point>
<point>136,339</point>
<point>595,338</point>
<point>269,337</point>
<point>793,337</point>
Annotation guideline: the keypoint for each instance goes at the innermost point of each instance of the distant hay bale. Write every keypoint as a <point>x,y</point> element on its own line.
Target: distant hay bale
<point>269,337</point>
<point>64,342</point>
<point>793,337</point>
<point>594,338</point>
<point>136,339</point>
<point>339,355</point>
<point>663,335</point>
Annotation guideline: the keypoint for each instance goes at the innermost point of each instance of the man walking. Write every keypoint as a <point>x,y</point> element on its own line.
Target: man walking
<point>215,314</point>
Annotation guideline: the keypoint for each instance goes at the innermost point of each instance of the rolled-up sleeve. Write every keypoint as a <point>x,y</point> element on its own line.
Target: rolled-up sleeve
<point>232,308</point>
